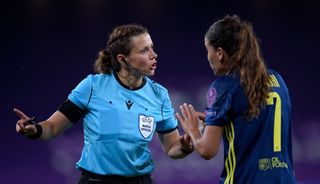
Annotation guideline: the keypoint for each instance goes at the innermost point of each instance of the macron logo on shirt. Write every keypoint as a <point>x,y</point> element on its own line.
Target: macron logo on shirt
<point>129,104</point>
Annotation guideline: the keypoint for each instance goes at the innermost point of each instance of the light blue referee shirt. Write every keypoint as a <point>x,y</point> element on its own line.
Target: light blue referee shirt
<point>120,123</point>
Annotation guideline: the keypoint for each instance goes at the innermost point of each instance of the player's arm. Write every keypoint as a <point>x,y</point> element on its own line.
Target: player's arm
<point>208,145</point>
<point>174,145</point>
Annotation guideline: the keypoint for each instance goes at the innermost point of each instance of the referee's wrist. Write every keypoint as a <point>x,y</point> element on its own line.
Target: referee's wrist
<point>38,127</point>
<point>185,152</point>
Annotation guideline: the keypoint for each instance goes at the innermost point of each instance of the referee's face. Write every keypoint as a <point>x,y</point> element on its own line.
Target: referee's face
<point>142,58</point>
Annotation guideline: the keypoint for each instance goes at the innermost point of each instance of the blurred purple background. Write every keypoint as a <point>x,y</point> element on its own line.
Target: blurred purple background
<point>48,46</point>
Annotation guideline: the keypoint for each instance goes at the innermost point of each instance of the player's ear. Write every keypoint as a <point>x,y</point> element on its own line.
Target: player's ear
<point>221,54</point>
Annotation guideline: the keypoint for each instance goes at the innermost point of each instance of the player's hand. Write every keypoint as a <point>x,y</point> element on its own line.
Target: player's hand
<point>202,118</point>
<point>24,125</point>
<point>189,120</point>
<point>201,115</point>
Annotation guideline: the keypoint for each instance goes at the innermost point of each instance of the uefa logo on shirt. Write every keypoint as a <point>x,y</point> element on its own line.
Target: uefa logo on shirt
<point>146,124</point>
<point>211,97</point>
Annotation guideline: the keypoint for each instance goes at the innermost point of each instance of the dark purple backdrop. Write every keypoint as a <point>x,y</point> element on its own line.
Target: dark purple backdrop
<point>48,46</point>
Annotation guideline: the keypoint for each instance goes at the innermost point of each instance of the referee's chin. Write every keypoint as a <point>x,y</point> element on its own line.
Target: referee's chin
<point>151,73</point>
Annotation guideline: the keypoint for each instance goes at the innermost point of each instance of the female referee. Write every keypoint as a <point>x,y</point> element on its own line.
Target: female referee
<point>121,109</point>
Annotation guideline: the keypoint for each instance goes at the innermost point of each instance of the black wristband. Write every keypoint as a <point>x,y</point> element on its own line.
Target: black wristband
<point>186,152</point>
<point>38,134</point>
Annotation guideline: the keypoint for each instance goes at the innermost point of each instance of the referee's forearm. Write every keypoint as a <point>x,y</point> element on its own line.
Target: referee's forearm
<point>54,125</point>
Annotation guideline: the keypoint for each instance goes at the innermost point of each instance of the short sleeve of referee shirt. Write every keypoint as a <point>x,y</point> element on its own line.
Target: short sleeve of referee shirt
<point>169,122</point>
<point>81,94</point>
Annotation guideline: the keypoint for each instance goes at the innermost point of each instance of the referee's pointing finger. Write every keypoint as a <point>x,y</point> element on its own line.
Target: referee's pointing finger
<point>20,114</point>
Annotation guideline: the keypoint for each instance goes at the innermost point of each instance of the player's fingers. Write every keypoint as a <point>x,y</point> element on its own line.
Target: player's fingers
<point>192,116</point>
<point>183,111</point>
<point>183,123</point>
<point>193,111</point>
<point>20,114</point>
<point>187,110</point>
<point>179,117</point>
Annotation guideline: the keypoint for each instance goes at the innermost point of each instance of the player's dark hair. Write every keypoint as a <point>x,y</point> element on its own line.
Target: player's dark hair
<point>239,41</point>
<point>119,43</point>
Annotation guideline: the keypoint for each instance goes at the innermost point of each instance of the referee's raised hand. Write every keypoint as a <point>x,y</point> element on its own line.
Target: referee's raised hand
<point>24,125</point>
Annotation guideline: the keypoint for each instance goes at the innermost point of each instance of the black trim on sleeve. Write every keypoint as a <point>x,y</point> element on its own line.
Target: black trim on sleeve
<point>167,131</point>
<point>71,111</point>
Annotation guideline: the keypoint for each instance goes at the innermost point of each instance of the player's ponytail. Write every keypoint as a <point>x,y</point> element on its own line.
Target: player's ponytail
<point>240,43</point>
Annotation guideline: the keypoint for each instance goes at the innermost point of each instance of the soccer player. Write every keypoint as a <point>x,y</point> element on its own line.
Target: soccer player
<point>247,105</point>
<point>121,108</point>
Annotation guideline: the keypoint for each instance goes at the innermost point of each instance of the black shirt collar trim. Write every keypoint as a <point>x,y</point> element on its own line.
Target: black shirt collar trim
<point>125,86</point>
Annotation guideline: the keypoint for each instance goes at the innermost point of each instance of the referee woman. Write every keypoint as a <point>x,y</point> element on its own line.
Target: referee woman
<point>121,110</point>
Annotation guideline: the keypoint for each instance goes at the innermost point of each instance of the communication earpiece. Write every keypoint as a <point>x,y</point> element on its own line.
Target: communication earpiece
<point>125,61</point>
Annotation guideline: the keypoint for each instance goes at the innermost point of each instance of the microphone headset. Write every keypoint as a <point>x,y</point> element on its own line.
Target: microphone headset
<point>130,66</point>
